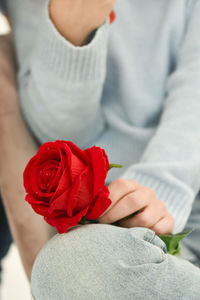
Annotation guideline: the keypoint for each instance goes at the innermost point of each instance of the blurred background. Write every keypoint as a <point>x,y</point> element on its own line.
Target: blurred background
<point>14,283</point>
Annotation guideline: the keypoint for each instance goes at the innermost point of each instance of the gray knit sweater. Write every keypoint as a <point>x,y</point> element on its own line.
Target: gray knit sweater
<point>133,90</point>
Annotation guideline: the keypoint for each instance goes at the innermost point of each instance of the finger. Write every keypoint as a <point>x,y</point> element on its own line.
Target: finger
<point>165,225</point>
<point>148,217</point>
<point>119,188</point>
<point>129,204</point>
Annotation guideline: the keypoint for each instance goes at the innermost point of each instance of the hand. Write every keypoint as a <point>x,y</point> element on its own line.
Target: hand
<point>77,19</point>
<point>128,197</point>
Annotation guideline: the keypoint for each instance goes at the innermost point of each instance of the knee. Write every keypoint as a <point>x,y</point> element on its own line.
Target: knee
<point>90,259</point>
<point>69,262</point>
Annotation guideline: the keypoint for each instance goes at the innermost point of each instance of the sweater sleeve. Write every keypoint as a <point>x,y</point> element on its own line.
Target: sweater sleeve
<point>171,162</point>
<point>61,87</point>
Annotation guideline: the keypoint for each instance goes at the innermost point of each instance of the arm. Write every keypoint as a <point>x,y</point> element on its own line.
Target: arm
<point>30,232</point>
<point>62,92</point>
<point>171,162</point>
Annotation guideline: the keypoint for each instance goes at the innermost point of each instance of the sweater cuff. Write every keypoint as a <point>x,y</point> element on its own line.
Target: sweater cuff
<point>178,203</point>
<point>67,61</point>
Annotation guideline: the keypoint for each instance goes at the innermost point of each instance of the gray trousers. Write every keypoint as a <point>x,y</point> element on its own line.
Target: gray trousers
<point>106,262</point>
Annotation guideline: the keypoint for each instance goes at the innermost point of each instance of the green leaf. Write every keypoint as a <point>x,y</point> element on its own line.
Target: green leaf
<point>83,221</point>
<point>129,216</point>
<point>111,166</point>
<point>173,241</point>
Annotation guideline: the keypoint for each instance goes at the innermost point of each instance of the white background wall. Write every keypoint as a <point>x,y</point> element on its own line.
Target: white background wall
<point>14,283</point>
<point>3,25</point>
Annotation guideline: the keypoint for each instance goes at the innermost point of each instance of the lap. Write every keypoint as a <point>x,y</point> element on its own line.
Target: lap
<point>109,262</point>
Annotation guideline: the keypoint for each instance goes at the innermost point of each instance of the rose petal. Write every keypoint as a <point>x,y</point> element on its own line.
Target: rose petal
<point>38,206</point>
<point>59,205</point>
<point>100,206</point>
<point>31,180</point>
<point>77,151</point>
<point>55,182</point>
<point>64,223</point>
<point>77,167</point>
<point>30,199</point>
<point>64,184</point>
<point>40,209</point>
<point>76,158</point>
<point>65,156</point>
<point>81,195</point>
<point>47,175</point>
<point>48,150</point>
<point>100,165</point>
<point>26,174</point>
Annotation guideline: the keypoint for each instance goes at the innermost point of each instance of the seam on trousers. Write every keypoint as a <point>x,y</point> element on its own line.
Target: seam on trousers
<point>149,236</point>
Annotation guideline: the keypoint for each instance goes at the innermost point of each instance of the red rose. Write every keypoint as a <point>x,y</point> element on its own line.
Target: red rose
<point>64,183</point>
